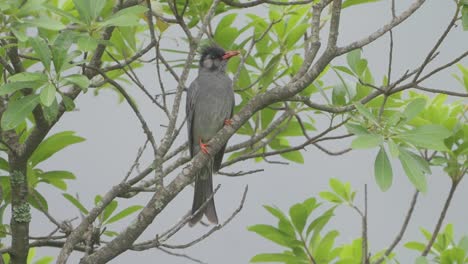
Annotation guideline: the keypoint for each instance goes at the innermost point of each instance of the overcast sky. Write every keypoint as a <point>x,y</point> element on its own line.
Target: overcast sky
<point>114,134</point>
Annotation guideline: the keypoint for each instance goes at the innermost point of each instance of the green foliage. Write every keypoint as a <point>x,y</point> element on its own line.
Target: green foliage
<point>303,232</point>
<point>306,235</point>
<point>383,170</point>
<point>445,249</point>
<point>18,110</point>
<point>464,14</point>
<point>108,215</point>
<point>53,48</point>
<point>409,126</point>
<point>349,3</point>
<point>341,192</point>
<point>52,145</point>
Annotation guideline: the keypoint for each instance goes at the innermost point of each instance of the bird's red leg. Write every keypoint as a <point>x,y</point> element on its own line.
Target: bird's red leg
<point>203,146</point>
<point>227,122</point>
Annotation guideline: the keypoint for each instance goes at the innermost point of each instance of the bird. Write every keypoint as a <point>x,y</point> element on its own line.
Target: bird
<point>209,107</point>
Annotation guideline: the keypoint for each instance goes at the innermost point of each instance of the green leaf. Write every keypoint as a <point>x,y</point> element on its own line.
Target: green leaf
<point>414,108</point>
<point>31,254</point>
<point>356,129</point>
<point>42,50</point>
<point>284,224</point>
<point>29,76</point>
<point>421,260</point>
<point>413,170</point>
<point>452,256</point>
<point>383,170</point>
<point>60,50</point>
<point>393,148</point>
<point>299,216</point>
<point>310,205</point>
<point>4,165</point>
<point>76,203</point>
<point>325,246</point>
<point>319,223</point>
<point>52,145</point>
<point>89,9</point>
<point>331,197</point>
<point>226,37</point>
<point>96,7</point>
<point>51,112</point>
<point>353,57</point>
<point>277,257</point>
<point>465,17</point>
<point>110,233</point>
<point>339,95</point>
<point>267,115</point>
<point>124,213</point>
<point>12,87</point>
<point>63,13</point>
<point>463,244</point>
<point>125,17</point>
<point>294,35</point>
<point>48,94</point>
<point>226,21</point>
<point>349,3</point>
<point>423,164</point>
<point>426,233</point>
<point>365,112</point>
<point>338,187</point>
<point>418,246</point>
<point>78,80</point>
<point>45,260</point>
<point>295,156</point>
<point>18,110</point>
<point>46,23</point>
<point>87,43</point>
<point>68,102</point>
<point>56,178</point>
<point>110,208</point>
<point>367,141</point>
<point>344,69</point>
<point>60,184</point>
<point>61,175</point>
<point>427,136</point>
<point>38,201</point>
<point>273,234</point>
<point>270,71</point>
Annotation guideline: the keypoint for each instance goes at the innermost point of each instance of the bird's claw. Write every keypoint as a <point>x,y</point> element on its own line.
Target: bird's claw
<point>228,122</point>
<point>203,147</point>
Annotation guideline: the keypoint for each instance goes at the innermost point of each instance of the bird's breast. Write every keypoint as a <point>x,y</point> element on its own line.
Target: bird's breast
<point>210,111</point>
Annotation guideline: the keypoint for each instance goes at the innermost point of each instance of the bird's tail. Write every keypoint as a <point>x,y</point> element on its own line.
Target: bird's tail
<point>203,191</point>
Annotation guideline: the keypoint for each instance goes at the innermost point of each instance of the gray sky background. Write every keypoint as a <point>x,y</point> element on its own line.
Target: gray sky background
<point>114,134</point>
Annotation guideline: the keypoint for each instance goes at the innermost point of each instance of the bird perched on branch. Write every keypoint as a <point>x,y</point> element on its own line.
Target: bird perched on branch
<point>210,103</point>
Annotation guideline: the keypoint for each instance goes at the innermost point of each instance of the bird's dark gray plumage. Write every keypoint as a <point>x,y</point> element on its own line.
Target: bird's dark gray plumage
<point>210,101</point>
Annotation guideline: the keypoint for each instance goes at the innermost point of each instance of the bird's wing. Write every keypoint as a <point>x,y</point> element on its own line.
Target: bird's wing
<point>189,111</point>
<point>218,159</point>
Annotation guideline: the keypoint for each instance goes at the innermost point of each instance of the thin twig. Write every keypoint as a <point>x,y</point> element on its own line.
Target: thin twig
<point>185,256</point>
<point>215,228</point>
<point>239,173</point>
<point>428,247</point>
<point>365,259</point>
<point>398,238</point>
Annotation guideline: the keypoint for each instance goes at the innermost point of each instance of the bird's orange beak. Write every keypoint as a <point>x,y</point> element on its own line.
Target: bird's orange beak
<point>230,54</point>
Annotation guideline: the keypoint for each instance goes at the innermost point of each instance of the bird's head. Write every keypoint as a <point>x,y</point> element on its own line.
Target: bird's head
<point>214,58</point>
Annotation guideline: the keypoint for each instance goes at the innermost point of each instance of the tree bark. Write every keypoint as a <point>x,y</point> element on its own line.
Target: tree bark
<point>20,210</point>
